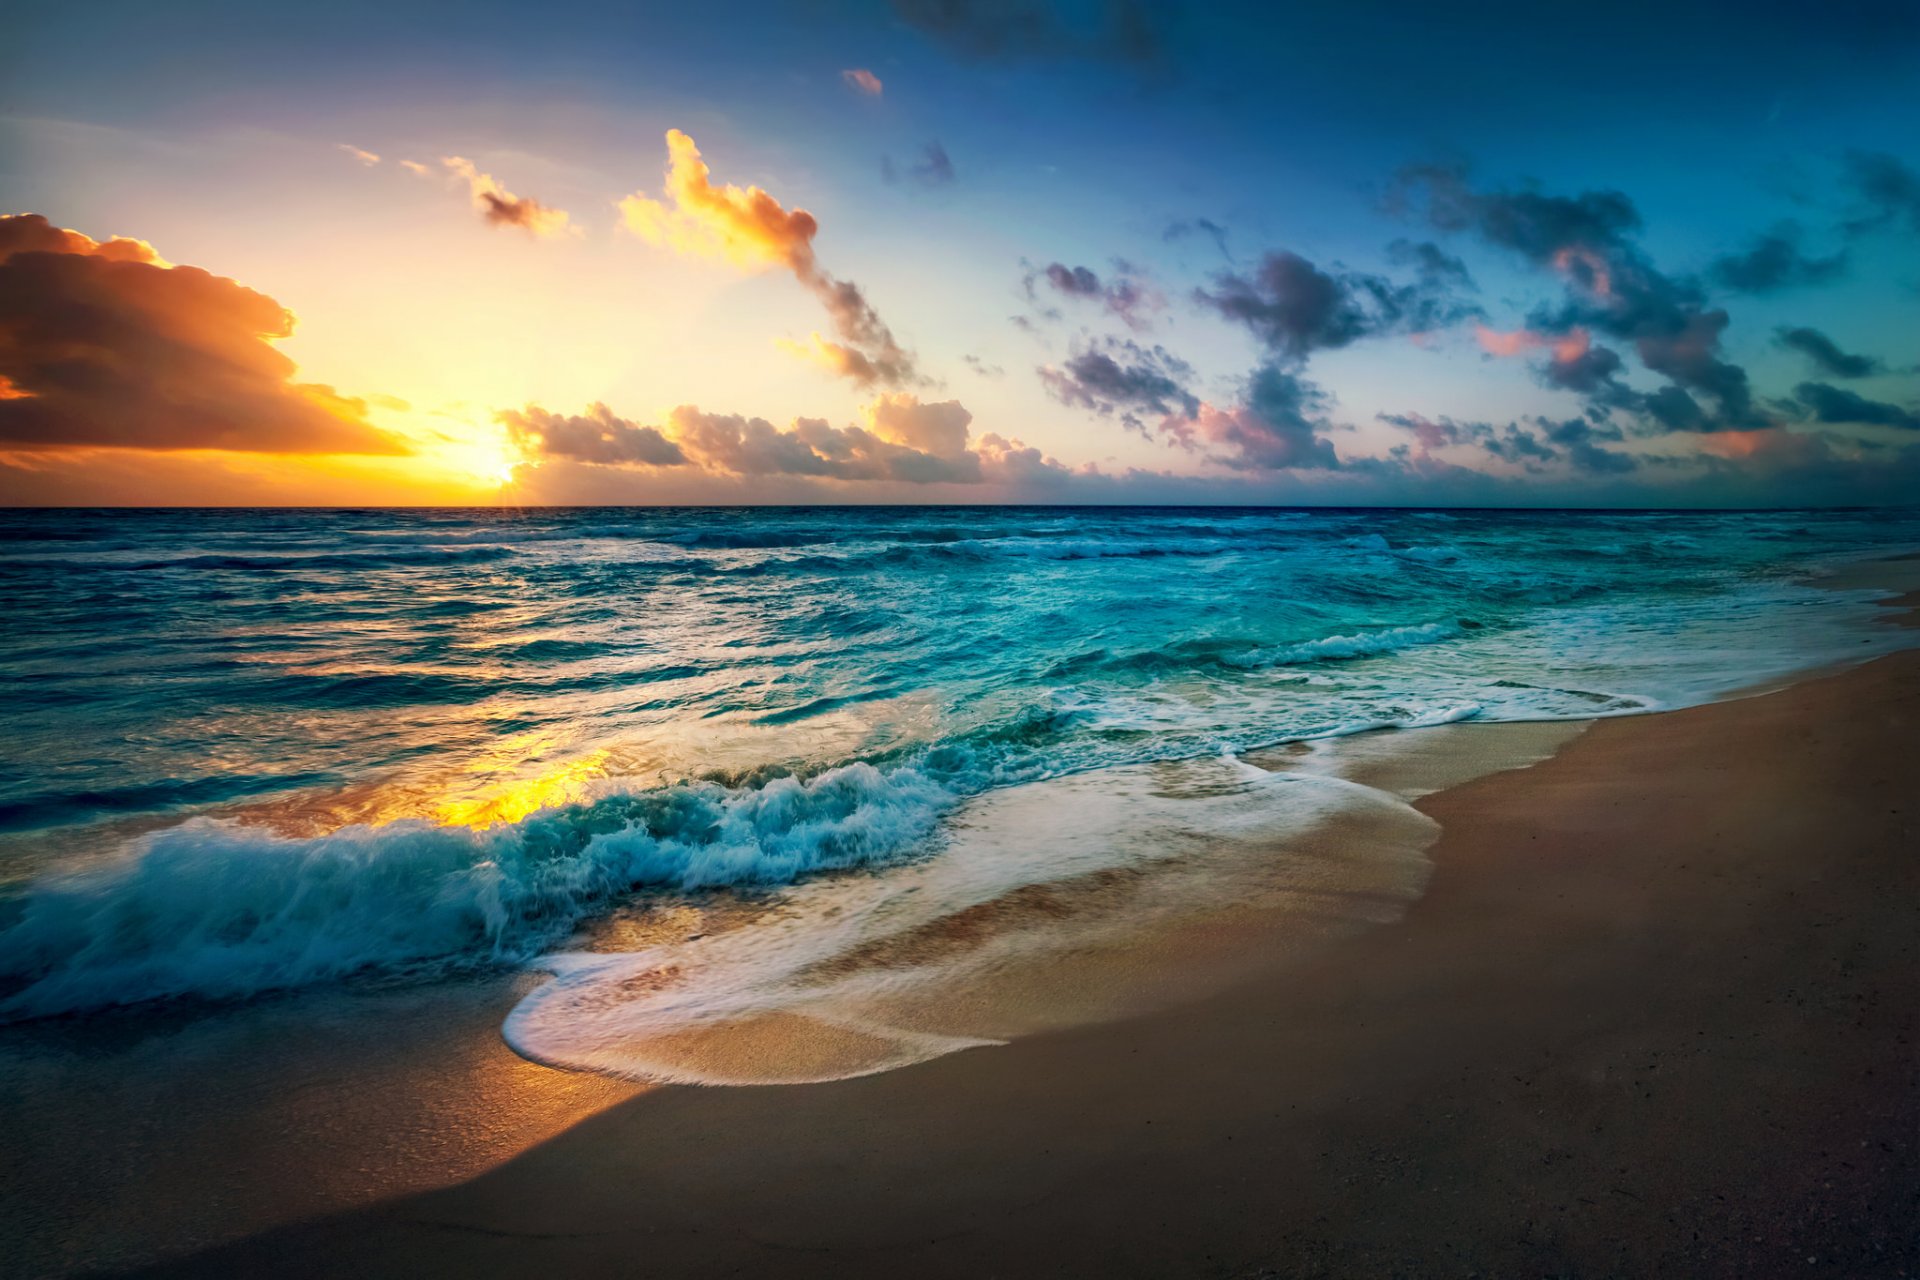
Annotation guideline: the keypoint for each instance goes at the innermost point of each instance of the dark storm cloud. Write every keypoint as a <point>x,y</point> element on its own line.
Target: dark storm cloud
<point>1775,261</point>
<point>1124,380</point>
<point>1294,308</point>
<point>1886,188</point>
<point>1114,30</point>
<point>1833,404</point>
<point>104,344</point>
<point>596,436</point>
<point>1826,354</point>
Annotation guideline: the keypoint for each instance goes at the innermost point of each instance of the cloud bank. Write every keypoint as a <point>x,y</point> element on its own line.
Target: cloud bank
<point>104,344</point>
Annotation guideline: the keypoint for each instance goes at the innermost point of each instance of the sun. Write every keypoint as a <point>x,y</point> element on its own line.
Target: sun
<point>463,448</point>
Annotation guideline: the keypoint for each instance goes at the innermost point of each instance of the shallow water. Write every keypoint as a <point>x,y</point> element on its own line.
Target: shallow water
<point>250,751</point>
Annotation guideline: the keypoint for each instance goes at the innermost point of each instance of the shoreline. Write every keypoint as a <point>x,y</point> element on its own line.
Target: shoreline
<point>1647,1018</point>
<point>554,1119</point>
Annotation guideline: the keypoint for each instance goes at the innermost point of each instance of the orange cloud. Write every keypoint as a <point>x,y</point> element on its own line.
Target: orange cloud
<point>104,344</point>
<point>501,208</point>
<point>743,226</point>
<point>1565,347</point>
<point>749,229</point>
<point>861,80</point>
<point>367,158</point>
<point>938,428</point>
<point>1585,268</point>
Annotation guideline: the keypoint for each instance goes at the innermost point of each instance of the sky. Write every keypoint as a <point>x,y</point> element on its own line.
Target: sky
<point>1107,251</point>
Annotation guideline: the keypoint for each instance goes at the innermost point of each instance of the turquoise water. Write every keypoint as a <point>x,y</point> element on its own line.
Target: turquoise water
<point>256,750</point>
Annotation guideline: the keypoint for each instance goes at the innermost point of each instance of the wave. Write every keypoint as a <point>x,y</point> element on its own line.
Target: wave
<point>290,561</point>
<point>1363,644</point>
<point>220,910</point>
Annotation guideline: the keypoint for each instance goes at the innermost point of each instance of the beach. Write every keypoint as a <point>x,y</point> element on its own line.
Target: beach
<point>1651,1016</point>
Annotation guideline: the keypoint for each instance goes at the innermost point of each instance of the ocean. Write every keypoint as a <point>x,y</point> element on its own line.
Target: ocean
<point>709,766</point>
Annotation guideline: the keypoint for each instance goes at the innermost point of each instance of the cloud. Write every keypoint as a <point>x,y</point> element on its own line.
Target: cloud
<point>1774,262</point>
<point>367,158</point>
<point>416,168</point>
<point>1887,191</point>
<point>1534,445</point>
<point>1588,242</point>
<point>1827,355</point>
<point>1829,403</point>
<point>1182,228</point>
<point>1431,433</point>
<point>899,439</point>
<point>1295,308</point>
<point>1124,294</point>
<point>596,436</point>
<point>1576,364</point>
<point>934,168</point>
<point>1124,31</point>
<point>749,229</point>
<point>1275,428</point>
<point>499,207</point>
<point>1435,267</point>
<point>105,344</point>
<point>1126,380</point>
<point>861,80</point>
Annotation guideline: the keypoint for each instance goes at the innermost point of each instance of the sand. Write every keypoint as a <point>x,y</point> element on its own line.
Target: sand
<point>1654,1015</point>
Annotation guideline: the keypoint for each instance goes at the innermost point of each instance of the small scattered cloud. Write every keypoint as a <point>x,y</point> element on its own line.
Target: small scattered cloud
<point>499,207</point>
<point>862,81</point>
<point>1827,403</point>
<point>1124,293</point>
<point>1775,261</point>
<point>1886,191</point>
<point>1124,380</point>
<point>1826,354</point>
<point>367,158</point>
<point>934,168</point>
<point>1185,228</point>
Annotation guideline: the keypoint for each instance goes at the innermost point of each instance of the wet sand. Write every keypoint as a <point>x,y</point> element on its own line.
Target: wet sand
<point>1654,1015</point>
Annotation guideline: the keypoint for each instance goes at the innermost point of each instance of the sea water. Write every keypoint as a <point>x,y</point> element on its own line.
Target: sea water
<point>253,751</point>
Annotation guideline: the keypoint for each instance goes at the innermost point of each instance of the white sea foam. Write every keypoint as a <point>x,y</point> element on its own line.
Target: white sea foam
<point>997,937</point>
<point>1362,644</point>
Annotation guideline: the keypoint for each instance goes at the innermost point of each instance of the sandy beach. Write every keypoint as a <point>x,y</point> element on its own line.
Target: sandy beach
<point>1652,1016</point>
